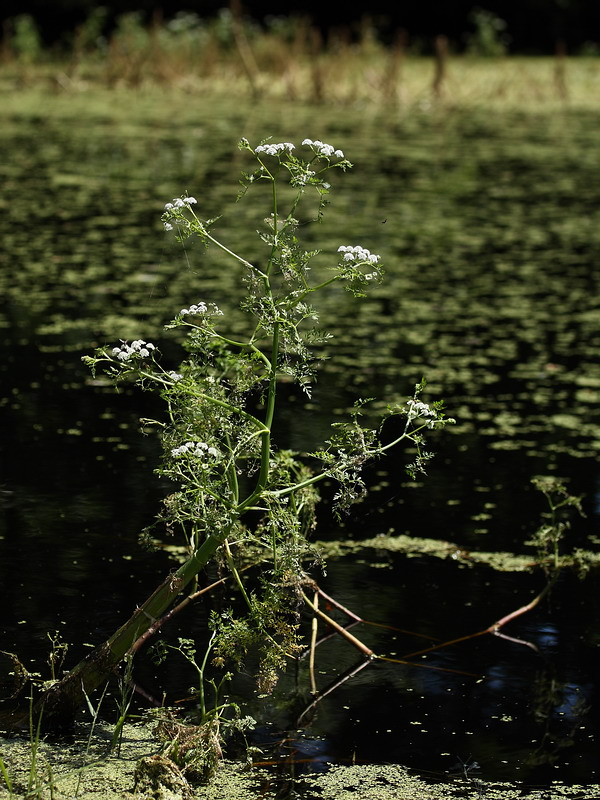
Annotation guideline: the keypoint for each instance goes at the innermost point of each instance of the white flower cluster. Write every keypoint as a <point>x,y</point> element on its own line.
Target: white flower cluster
<point>323,149</point>
<point>137,349</point>
<point>180,202</point>
<point>275,149</point>
<point>175,376</point>
<point>173,207</point>
<point>201,308</point>
<point>196,449</point>
<point>415,408</point>
<point>358,254</point>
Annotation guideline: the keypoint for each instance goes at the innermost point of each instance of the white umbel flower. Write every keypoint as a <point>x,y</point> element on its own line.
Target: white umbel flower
<point>323,149</point>
<point>358,254</point>
<point>136,350</point>
<point>275,149</point>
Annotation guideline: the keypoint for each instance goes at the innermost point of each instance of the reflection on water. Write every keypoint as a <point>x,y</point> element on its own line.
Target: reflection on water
<point>491,238</point>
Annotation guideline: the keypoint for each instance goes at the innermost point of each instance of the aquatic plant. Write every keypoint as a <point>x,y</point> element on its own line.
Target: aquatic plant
<point>547,537</point>
<point>239,495</point>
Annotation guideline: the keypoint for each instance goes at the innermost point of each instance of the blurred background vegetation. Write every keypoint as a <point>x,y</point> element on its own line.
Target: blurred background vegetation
<point>527,26</point>
<point>310,54</point>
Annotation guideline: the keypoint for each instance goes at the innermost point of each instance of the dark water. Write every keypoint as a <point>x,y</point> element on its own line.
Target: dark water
<point>490,228</point>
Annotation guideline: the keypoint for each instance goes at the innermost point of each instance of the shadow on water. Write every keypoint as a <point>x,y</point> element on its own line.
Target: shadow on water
<point>491,238</point>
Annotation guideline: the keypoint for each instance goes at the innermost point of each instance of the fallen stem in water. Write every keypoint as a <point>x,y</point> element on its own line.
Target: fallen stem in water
<point>339,628</point>
<point>355,617</point>
<point>427,666</point>
<point>495,627</point>
<point>371,655</point>
<point>158,624</point>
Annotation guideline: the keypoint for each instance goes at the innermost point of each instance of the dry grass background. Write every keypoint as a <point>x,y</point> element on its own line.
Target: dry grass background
<point>291,61</point>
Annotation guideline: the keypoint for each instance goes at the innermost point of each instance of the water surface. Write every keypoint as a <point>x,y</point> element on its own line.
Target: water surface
<point>489,228</point>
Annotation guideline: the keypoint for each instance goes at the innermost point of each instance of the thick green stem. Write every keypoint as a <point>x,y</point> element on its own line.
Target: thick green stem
<point>62,700</point>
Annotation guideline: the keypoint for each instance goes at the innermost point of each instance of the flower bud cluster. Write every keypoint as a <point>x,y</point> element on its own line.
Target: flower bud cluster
<point>274,149</point>
<point>195,449</point>
<point>358,254</point>
<point>302,177</point>
<point>137,349</point>
<point>322,149</point>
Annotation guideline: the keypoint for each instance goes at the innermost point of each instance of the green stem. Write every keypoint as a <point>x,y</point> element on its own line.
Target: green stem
<point>236,574</point>
<point>265,455</point>
<point>275,232</point>
<point>63,698</point>
<point>234,409</point>
<point>201,670</point>
<point>269,413</point>
<point>317,288</point>
<point>308,482</point>
<point>227,250</point>
<point>404,435</point>
<point>231,473</point>
<point>233,343</point>
<point>388,446</point>
<point>295,204</point>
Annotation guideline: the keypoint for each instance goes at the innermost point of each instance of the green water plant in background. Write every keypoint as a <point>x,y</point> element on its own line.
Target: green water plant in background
<point>548,536</point>
<point>238,497</point>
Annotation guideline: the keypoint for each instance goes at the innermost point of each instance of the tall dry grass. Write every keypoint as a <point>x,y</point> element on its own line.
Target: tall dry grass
<point>290,59</point>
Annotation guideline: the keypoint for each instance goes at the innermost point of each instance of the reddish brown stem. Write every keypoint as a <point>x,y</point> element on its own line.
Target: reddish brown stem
<point>335,603</point>
<point>494,628</point>
<point>156,626</point>
<point>355,617</point>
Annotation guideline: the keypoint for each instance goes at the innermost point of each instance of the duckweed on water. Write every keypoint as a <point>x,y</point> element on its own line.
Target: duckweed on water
<point>392,782</point>
<point>413,546</point>
<point>98,776</point>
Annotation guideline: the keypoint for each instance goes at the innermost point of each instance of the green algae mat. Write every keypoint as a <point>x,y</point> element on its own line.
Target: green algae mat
<point>62,772</point>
